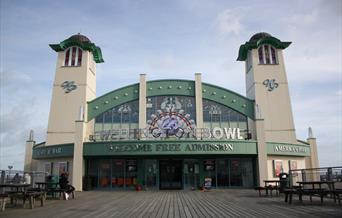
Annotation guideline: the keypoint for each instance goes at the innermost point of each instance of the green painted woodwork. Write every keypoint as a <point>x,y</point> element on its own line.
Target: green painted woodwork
<point>112,99</point>
<point>88,46</point>
<point>128,148</point>
<point>170,87</point>
<point>285,149</point>
<point>228,98</point>
<point>255,44</point>
<point>52,151</point>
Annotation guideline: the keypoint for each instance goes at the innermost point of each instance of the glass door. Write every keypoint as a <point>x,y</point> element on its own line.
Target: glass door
<point>170,174</point>
<point>118,174</point>
<point>223,173</point>
<point>151,174</point>
<point>104,174</point>
<point>191,174</point>
<point>235,172</point>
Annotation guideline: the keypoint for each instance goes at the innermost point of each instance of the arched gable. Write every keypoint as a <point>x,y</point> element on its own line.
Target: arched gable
<point>129,93</point>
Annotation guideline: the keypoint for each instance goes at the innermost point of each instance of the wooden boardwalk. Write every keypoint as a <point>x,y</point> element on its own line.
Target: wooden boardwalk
<point>215,203</point>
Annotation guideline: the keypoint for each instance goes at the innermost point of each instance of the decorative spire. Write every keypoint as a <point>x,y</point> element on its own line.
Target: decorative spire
<point>31,135</point>
<point>310,133</point>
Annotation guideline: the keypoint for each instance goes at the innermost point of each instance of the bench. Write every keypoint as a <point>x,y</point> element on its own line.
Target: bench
<point>259,188</point>
<point>3,199</point>
<point>289,192</point>
<point>337,194</point>
<point>60,192</point>
<point>31,196</point>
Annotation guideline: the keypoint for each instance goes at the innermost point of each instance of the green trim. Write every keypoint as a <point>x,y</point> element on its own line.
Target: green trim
<point>302,142</point>
<point>170,87</point>
<point>112,99</point>
<point>51,151</point>
<point>88,46</point>
<point>229,98</point>
<point>255,44</point>
<point>130,93</point>
<point>191,147</point>
<point>286,149</point>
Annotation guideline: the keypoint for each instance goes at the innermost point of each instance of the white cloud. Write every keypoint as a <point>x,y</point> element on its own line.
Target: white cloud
<point>228,22</point>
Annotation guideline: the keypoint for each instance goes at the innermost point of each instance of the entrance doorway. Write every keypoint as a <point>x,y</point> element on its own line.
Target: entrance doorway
<point>170,172</point>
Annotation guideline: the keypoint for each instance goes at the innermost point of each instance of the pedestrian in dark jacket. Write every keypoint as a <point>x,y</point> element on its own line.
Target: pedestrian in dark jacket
<point>64,184</point>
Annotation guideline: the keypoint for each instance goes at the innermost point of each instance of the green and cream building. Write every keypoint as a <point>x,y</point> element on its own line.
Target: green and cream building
<point>172,133</point>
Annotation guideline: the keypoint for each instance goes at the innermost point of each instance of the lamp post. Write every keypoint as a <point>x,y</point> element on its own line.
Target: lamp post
<point>9,174</point>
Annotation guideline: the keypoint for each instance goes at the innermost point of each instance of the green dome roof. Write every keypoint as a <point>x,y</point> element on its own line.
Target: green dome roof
<point>259,39</point>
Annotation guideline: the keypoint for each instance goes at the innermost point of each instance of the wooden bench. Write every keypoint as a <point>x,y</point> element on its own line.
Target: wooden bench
<point>3,199</point>
<point>337,194</point>
<point>31,196</point>
<point>60,192</point>
<point>259,188</point>
<point>289,192</point>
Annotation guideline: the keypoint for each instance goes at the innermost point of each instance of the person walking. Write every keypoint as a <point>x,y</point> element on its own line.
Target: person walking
<point>64,184</point>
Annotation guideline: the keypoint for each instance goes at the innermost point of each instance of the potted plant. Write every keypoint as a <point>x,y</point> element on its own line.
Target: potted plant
<point>138,186</point>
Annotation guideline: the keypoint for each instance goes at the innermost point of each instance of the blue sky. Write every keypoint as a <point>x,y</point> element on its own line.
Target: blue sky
<point>170,39</point>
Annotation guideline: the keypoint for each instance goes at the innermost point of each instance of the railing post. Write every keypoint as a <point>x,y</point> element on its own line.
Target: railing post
<point>303,175</point>
<point>330,174</point>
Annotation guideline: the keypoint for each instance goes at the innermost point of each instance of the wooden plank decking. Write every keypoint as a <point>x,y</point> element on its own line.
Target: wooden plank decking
<point>215,203</point>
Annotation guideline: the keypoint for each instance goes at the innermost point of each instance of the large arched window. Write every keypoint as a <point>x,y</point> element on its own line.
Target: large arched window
<point>73,57</point>
<point>122,117</point>
<point>218,115</point>
<point>267,55</point>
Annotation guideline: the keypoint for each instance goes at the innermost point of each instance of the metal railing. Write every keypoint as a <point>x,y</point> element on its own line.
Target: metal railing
<point>317,174</point>
<point>19,176</point>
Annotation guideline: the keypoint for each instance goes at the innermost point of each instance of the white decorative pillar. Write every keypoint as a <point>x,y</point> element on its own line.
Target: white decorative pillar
<point>262,149</point>
<point>28,152</point>
<point>77,165</point>
<point>312,161</point>
<point>199,102</point>
<point>142,102</point>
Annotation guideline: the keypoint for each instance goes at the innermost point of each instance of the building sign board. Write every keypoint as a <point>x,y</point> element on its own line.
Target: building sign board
<point>63,150</point>
<point>216,133</point>
<point>169,148</point>
<point>287,149</point>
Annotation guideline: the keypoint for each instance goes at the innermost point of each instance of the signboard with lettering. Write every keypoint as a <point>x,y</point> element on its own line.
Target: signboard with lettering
<point>63,150</point>
<point>285,149</point>
<point>169,148</point>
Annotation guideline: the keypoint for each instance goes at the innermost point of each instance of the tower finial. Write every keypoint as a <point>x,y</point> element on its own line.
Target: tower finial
<point>310,133</point>
<point>31,135</point>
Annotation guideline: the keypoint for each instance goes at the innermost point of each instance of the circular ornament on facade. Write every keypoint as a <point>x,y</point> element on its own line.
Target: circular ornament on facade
<point>244,105</point>
<point>126,94</point>
<point>106,102</point>
<point>204,90</point>
<point>189,87</point>
<point>214,93</point>
<point>170,87</point>
<point>224,97</point>
<point>96,107</point>
<point>233,100</point>
<point>116,97</point>
<point>179,87</point>
<point>160,87</point>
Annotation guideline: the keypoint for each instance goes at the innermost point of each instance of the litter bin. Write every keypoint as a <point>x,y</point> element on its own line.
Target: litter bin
<point>284,181</point>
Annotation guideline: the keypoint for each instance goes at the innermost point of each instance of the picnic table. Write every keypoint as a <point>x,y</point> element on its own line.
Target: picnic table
<point>21,192</point>
<point>312,191</point>
<point>269,187</point>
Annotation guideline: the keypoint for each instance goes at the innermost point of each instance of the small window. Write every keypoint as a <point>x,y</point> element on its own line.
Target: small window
<point>73,57</point>
<point>267,55</point>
